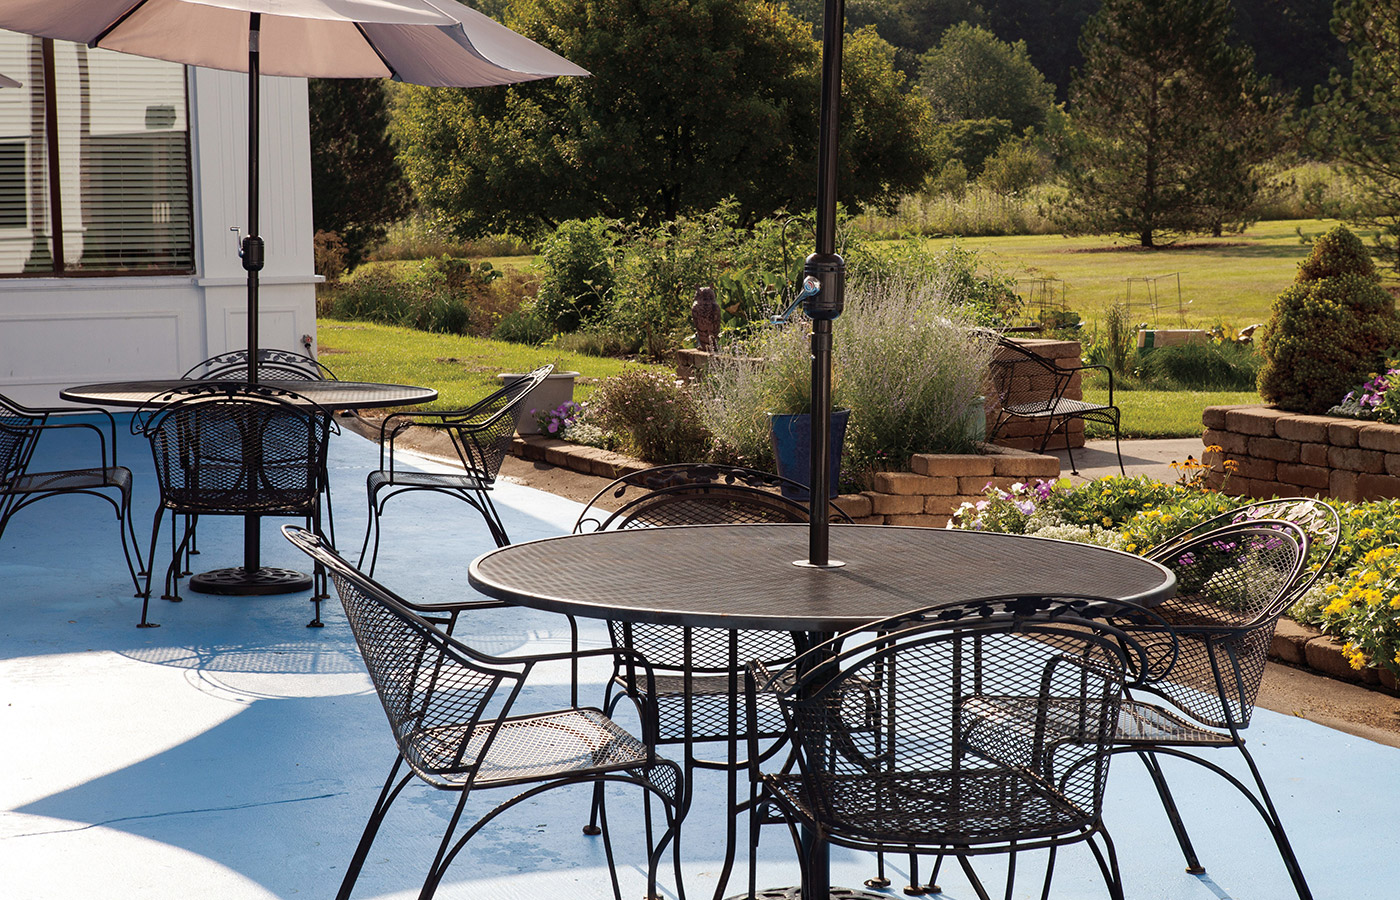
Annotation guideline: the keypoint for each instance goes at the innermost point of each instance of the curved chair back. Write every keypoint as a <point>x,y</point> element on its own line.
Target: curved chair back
<point>696,494</point>
<point>481,434</point>
<point>1318,520</point>
<point>1233,583</point>
<point>970,731</point>
<point>273,364</point>
<point>227,447</point>
<point>434,689</point>
<point>19,433</point>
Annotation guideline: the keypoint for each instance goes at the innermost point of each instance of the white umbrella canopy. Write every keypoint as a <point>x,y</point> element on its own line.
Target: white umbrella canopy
<point>7,81</point>
<point>439,43</point>
<point>433,42</point>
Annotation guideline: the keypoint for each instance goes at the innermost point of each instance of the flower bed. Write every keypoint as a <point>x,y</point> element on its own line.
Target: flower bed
<point>1349,621</point>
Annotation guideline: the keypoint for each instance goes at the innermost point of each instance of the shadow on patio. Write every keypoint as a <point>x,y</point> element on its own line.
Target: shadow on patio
<point>235,753</point>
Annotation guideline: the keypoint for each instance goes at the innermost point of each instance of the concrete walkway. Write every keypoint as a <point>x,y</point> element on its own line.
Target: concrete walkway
<point>234,753</point>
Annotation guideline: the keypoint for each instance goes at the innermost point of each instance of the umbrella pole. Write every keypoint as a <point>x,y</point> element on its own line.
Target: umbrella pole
<point>253,250</point>
<point>830,269</point>
<point>252,254</point>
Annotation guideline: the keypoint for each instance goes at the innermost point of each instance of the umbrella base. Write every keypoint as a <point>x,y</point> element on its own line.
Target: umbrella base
<point>241,582</point>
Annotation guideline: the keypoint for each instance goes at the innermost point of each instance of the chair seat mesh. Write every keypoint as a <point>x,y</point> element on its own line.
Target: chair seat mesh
<point>710,708</point>
<point>967,806</point>
<point>1145,723</point>
<point>429,480</point>
<point>72,480</point>
<point>527,748</point>
<point>1059,407</point>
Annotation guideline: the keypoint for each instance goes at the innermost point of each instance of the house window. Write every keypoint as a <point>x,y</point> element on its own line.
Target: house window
<point>94,162</point>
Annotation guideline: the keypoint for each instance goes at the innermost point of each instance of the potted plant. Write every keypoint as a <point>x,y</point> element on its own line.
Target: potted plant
<point>788,377</point>
<point>552,393</point>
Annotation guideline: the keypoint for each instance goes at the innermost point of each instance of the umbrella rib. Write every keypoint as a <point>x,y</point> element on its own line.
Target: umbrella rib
<point>370,43</point>
<point>116,23</point>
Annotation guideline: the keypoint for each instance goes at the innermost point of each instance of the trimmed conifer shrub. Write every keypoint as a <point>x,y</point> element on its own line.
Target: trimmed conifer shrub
<point>1329,329</point>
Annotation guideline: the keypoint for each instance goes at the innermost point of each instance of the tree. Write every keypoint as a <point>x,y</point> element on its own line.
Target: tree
<point>971,74</point>
<point>1358,116</point>
<point>357,185</point>
<point>688,103</point>
<point>1171,120</point>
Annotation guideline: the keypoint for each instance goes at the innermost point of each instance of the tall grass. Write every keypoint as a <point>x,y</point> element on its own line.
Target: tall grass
<point>418,238</point>
<point>978,211</point>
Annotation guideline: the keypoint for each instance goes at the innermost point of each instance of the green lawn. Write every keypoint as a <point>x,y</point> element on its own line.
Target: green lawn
<point>1230,280</point>
<point>1164,414</point>
<point>462,369</point>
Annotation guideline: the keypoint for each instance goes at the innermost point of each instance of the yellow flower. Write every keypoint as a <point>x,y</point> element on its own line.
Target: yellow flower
<point>1107,521</point>
<point>1336,607</point>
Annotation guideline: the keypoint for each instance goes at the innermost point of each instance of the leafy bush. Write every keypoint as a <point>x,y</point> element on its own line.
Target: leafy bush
<point>1211,366</point>
<point>655,414</point>
<point>578,273</point>
<point>1330,328</point>
<point>524,325</point>
<point>447,296</point>
<point>329,253</point>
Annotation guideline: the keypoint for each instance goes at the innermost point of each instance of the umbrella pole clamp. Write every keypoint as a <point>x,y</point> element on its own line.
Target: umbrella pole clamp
<point>253,253</point>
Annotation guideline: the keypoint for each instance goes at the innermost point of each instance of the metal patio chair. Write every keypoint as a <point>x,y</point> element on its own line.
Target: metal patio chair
<point>20,430</point>
<point>962,730</point>
<point>1233,584</point>
<point>480,435</point>
<point>699,670</point>
<point>230,448</point>
<point>275,365</point>
<point>1029,386</point>
<point>453,712</point>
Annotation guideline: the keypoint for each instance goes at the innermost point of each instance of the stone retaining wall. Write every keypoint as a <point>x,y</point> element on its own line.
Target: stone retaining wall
<point>1283,454</point>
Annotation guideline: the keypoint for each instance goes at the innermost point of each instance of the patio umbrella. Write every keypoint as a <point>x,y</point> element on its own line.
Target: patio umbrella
<point>825,284</point>
<point>439,43</point>
<point>7,81</point>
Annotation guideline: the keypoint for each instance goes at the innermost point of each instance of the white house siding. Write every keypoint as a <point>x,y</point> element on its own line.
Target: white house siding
<point>56,332</point>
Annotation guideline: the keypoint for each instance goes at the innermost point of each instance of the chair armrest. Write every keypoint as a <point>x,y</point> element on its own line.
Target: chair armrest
<point>104,439</point>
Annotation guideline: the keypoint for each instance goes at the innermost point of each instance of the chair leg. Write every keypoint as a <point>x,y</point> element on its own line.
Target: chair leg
<point>371,527</point>
<point>493,519</point>
<point>376,817</point>
<point>150,569</point>
<point>1193,863</point>
<point>125,528</point>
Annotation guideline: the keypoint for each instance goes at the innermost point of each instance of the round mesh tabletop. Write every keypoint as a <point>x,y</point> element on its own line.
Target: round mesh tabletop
<point>742,576</point>
<point>329,394</point>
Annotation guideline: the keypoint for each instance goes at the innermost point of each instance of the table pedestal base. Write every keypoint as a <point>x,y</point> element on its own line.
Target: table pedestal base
<point>241,582</point>
<point>795,893</point>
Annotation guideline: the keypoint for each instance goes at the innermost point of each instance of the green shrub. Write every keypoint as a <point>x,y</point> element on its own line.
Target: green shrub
<point>523,326</point>
<point>1329,329</point>
<point>598,340</point>
<point>655,414</point>
<point>1212,366</point>
<point>578,273</point>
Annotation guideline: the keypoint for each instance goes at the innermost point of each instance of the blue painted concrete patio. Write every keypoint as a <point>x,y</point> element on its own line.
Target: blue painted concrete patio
<point>235,753</point>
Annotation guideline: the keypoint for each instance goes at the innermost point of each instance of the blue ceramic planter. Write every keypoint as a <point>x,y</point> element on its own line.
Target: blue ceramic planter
<point>792,445</point>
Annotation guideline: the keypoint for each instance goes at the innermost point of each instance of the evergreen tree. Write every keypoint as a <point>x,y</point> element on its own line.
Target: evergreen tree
<point>357,186</point>
<point>1358,116</point>
<point>1172,119</point>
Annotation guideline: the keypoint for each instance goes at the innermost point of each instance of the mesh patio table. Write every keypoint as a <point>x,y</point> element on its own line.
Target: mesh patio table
<point>253,578</point>
<point>744,577</point>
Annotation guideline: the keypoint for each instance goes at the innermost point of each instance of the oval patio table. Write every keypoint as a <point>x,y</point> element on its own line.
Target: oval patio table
<point>750,577</point>
<point>253,578</point>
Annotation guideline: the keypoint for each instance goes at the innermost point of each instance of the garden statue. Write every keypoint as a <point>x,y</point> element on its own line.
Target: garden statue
<point>704,312</point>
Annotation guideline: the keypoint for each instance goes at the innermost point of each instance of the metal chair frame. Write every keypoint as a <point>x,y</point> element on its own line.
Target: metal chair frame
<point>273,365</point>
<point>1209,692</point>
<point>20,430</point>
<point>701,669</point>
<point>841,699</point>
<point>185,454</point>
<point>1038,386</point>
<point>480,434</point>
<point>452,710</point>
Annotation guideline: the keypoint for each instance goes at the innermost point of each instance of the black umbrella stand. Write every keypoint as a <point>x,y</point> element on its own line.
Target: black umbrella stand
<point>830,269</point>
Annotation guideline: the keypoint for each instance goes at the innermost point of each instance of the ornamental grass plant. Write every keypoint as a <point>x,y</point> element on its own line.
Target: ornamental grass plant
<point>907,363</point>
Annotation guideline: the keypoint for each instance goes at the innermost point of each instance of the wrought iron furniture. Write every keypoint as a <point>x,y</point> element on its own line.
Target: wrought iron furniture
<point>742,577</point>
<point>964,730</point>
<point>1029,386</point>
<point>700,674</point>
<point>1233,585</point>
<point>453,713</point>
<point>20,430</point>
<point>480,435</point>
<point>230,448</point>
<point>255,578</point>
<point>273,365</point>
